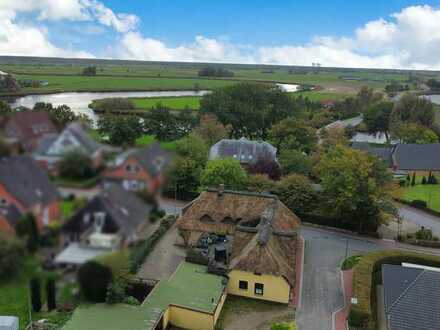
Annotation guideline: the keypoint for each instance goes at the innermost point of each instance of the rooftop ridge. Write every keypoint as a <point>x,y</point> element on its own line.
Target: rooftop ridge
<point>403,294</point>
<point>243,193</point>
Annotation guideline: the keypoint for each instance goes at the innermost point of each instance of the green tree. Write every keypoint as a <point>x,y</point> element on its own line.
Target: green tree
<point>51,294</point>
<point>251,109</point>
<point>377,118</point>
<point>226,171</point>
<point>193,147</point>
<point>111,104</point>
<point>183,176</point>
<point>94,279</point>
<point>35,294</point>
<point>5,109</point>
<point>414,109</point>
<point>415,133</point>
<point>27,229</point>
<point>211,130</point>
<point>12,253</point>
<point>121,130</point>
<point>89,71</point>
<point>260,183</point>
<point>115,292</point>
<point>161,123</point>
<point>61,115</point>
<point>76,165</point>
<point>296,192</point>
<point>294,161</point>
<point>356,187</point>
<point>292,133</point>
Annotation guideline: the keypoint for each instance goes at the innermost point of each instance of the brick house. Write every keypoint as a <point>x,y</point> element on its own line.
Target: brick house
<point>51,149</point>
<point>26,128</point>
<point>24,187</point>
<point>138,169</point>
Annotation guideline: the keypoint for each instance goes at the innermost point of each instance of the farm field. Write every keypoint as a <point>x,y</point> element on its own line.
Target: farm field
<point>175,103</point>
<point>65,75</point>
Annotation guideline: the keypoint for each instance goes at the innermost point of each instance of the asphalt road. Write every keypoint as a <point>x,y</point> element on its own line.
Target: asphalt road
<point>420,218</point>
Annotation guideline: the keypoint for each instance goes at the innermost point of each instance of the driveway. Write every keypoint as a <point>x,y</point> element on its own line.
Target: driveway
<point>171,206</point>
<point>420,218</point>
<point>164,259</point>
<point>321,287</point>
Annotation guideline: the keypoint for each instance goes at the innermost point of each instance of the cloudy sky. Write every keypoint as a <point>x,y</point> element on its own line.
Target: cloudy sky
<point>369,34</point>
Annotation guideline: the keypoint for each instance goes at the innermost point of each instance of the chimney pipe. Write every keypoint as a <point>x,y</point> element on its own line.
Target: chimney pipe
<point>221,189</point>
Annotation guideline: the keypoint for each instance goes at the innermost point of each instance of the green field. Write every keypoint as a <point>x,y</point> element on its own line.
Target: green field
<point>65,75</point>
<point>175,103</point>
<point>320,95</point>
<point>427,192</point>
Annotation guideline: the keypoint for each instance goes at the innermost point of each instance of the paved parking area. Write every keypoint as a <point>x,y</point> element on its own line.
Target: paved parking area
<point>164,259</point>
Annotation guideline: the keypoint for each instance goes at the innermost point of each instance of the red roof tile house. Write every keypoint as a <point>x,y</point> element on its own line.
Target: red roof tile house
<point>28,127</point>
<point>24,187</point>
<point>139,169</point>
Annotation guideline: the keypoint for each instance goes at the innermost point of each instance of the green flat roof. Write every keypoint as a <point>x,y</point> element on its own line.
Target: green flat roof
<point>191,286</point>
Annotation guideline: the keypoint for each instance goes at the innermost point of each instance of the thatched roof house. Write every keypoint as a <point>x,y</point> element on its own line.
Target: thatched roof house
<point>264,230</point>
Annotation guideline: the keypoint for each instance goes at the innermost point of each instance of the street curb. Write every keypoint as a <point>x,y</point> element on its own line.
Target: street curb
<point>343,305</point>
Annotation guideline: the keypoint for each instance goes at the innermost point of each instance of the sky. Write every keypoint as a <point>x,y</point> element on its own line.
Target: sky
<point>369,34</point>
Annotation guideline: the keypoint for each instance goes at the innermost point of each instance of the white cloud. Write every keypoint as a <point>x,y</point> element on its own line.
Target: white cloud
<point>73,10</point>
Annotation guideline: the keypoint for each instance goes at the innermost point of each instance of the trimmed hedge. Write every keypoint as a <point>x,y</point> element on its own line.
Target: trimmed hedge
<point>367,275</point>
<point>143,249</point>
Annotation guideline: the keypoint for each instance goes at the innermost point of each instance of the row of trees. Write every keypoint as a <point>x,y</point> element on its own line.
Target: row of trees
<point>410,120</point>
<point>213,71</point>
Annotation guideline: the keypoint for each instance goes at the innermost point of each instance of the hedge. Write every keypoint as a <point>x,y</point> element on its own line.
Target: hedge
<point>143,249</point>
<point>420,205</point>
<point>366,277</point>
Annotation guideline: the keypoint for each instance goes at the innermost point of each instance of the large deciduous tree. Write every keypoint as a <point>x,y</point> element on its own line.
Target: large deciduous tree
<point>355,186</point>
<point>226,171</point>
<point>292,133</point>
<point>76,165</point>
<point>250,109</point>
<point>12,252</point>
<point>377,118</point>
<point>211,130</point>
<point>121,130</point>
<point>296,192</point>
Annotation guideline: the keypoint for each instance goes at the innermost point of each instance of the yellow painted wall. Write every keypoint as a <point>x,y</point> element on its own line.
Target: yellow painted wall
<point>219,307</point>
<point>275,288</point>
<point>189,319</point>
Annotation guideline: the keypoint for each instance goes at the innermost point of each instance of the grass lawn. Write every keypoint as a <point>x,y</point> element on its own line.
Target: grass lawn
<point>175,103</point>
<point>83,184</point>
<point>14,295</point>
<point>146,140</point>
<point>67,208</point>
<point>430,193</point>
<point>350,262</point>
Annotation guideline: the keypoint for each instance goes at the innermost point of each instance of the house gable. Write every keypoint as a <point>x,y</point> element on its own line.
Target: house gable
<point>65,142</point>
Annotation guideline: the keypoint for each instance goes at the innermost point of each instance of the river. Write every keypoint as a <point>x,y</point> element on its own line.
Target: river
<point>79,101</point>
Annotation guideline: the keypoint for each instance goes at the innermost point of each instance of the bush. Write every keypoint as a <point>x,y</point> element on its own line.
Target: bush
<point>402,183</point>
<point>419,204</point>
<point>142,250</point>
<point>283,326</point>
<point>424,180</point>
<point>364,282</point>
<point>196,257</point>
<point>35,294</point>
<point>131,301</point>
<point>51,294</point>
<point>27,229</point>
<point>12,252</point>
<point>115,293</point>
<point>93,280</point>
<point>76,165</point>
<point>424,234</point>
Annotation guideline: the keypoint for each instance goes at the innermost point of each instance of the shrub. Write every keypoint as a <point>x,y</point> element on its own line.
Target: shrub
<point>434,180</point>
<point>413,180</point>
<point>142,250</point>
<point>51,294</point>
<point>35,294</point>
<point>402,183</point>
<point>131,301</point>
<point>364,281</point>
<point>12,252</point>
<point>419,204</point>
<point>93,279</point>
<point>283,326</point>
<point>424,180</point>
<point>424,234</point>
<point>196,257</point>
<point>27,228</point>
<point>115,292</point>
<point>76,165</point>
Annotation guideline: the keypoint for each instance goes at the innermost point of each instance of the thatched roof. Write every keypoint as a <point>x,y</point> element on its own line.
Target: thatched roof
<point>214,211</point>
<point>264,229</point>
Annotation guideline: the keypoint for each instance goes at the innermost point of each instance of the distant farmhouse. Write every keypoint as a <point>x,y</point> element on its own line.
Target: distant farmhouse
<point>24,187</point>
<point>139,169</point>
<point>27,128</point>
<point>249,153</point>
<point>411,297</point>
<point>112,219</point>
<point>52,149</point>
<point>419,158</point>
<point>258,252</point>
